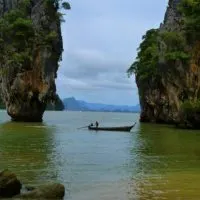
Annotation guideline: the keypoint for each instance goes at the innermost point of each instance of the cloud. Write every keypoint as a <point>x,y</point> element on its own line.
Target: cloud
<point>100,42</point>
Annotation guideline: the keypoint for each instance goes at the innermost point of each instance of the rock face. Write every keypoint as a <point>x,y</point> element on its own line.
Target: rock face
<point>10,187</point>
<point>161,98</point>
<point>26,89</point>
<point>9,184</point>
<point>57,104</point>
<point>51,191</point>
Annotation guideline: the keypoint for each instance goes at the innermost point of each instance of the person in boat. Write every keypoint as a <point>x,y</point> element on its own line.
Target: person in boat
<point>91,125</point>
<point>97,124</point>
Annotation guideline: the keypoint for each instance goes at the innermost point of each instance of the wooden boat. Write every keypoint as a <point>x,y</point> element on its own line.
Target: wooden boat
<point>119,128</point>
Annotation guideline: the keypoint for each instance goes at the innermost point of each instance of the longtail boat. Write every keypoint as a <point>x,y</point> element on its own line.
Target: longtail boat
<point>119,128</point>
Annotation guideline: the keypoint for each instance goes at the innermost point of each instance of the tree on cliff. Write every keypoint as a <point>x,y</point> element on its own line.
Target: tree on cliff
<point>145,65</point>
<point>190,10</point>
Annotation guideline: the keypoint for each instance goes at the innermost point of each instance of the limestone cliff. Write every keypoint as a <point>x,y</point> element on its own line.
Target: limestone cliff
<point>57,104</point>
<point>176,77</point>
<point>29,56</point>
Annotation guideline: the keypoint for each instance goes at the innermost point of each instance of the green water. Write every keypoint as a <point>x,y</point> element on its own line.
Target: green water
<point>151,162</point>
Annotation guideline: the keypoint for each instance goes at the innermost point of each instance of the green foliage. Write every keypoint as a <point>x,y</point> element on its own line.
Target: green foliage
<point>16,37</point>
<point>190,106</point>
<point>174,40</point>
<point>146,62</point>
<point>66,5</point>
<point>60,16</point>
<point>177,55</point>
<point>176,43</point>
<point>58,4</point>
<point>51,37</point>
<point>175,46</point>
<point>190,9</point>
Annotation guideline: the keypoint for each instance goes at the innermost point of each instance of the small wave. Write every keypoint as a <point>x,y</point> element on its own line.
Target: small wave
<point>37,126</point>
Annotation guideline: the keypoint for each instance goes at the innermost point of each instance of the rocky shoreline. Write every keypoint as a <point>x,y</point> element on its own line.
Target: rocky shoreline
<point>12,188</point>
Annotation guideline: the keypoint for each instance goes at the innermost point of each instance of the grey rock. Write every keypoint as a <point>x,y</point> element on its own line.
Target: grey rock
<point>9,184</point>
<point>49,191</point>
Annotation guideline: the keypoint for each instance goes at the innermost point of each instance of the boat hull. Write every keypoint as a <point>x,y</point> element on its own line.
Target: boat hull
<point>122,128</point>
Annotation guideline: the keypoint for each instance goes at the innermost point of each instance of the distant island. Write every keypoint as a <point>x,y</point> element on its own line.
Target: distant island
<point>72,104</point>
<point>56,104</point>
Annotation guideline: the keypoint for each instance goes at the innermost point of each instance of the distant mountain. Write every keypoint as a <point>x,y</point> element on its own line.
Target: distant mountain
<point>78,105</point>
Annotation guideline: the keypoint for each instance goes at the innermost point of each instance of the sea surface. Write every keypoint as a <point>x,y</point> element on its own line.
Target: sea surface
<point>150,162</point>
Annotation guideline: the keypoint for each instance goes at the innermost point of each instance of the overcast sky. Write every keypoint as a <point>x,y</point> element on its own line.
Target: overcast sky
<point>100,43</point>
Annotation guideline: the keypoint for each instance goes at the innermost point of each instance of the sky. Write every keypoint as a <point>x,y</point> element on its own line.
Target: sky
<point>100,41</point>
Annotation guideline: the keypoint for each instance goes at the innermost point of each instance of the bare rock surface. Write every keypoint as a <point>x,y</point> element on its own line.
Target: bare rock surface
<point>9,184</point>
<point>49,191</point>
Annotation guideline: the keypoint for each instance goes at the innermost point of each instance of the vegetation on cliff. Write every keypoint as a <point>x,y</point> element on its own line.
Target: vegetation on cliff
<point>145,66</point>
<point>147,62</point>
<point>190,114</point>
<point>175,46</point>
<point>18,37</point>
<point>190,10</point>
<point>189,106</point>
